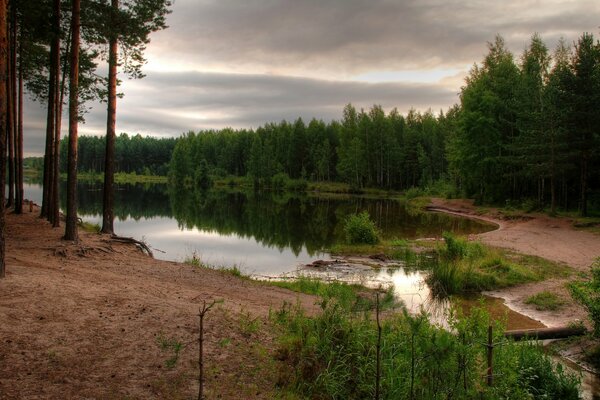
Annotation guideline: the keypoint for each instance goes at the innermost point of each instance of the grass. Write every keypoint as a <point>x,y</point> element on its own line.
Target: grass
<point>120,177</point>
<point>171,345</point>
<point>90,227</point>
<point>464,267</point>
<point>545,301</point>
<point>352,296</point>
<point>333,355</point>
<point>195,260</point>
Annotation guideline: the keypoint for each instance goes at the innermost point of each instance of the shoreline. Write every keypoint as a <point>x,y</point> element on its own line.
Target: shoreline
<point>538,235</point>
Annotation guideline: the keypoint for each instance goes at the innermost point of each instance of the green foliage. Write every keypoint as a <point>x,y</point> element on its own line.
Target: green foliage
<point>133,154</point>
<point>545,301</point>
<point>588,295</point>
<point>360,229</point>
<point>333,355</point>
<point>171,345</point>
<point>463,266</point>
<point>456,249</point>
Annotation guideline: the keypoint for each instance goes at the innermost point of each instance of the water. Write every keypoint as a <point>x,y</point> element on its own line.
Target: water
<point>262,234</point>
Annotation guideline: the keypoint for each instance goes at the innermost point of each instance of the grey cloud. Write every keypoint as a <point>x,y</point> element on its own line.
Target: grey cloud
<point>351,36</point>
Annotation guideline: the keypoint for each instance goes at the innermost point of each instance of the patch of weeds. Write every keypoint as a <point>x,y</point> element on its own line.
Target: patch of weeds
<point>90,227</point>
<point>545,301</point>
<point>248,324</point>
<point>194,260</point>
<point>171,345</point>
<point>225,342</point>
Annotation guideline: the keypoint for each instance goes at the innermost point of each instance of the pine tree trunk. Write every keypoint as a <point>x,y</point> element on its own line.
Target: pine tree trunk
<point>54,208</point>
<point>47,194</point>
<point>3,128</point>
<point>11,107</point>
<point>109,160</point>
<point>71,223</point>
<point>20,191</point>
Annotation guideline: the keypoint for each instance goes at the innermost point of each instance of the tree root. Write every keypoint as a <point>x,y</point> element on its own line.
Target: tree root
<point>141,245</point>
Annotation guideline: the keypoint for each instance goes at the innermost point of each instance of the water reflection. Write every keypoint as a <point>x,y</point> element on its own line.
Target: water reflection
<point>262,233</point>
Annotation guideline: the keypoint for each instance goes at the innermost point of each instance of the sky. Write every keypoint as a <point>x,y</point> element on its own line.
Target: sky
<point>243,63</point>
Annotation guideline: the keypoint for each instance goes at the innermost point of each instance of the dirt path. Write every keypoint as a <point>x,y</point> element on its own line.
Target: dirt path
<point>536,234</point>
<point>88,321</point>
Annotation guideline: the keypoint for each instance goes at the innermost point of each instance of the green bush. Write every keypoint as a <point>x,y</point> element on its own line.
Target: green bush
<point>456,249</point>
<point>360,229</point>
<point>588,295</point>
<point>279,181</point>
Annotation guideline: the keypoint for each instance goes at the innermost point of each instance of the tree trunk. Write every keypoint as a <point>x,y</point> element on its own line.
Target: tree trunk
<point>11,106</point>
<point>71,223</point>
<point>109,160</point>
<point>47,194</point>
<point>54,207</point>
<point>3,120</point>
<point>19,189</point>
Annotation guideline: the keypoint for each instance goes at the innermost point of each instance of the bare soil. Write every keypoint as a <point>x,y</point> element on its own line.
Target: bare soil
<point>554,239</point>
<point>94,320</point>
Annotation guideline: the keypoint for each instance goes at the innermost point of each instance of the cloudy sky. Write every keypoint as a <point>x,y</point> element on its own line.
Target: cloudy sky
<point>241,63</point>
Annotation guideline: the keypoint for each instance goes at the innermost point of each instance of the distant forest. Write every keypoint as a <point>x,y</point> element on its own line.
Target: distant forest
<point>526,129</point>
<point>141,155</point>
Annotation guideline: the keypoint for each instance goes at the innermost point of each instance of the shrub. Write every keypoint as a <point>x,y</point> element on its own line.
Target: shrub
<point>360,229</point>
<point>279,181</point>
<point>297,185</point>
<point>588,295</point>
<point>456,249</point>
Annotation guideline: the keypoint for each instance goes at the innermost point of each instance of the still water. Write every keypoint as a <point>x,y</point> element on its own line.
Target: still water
<point>262,234</point>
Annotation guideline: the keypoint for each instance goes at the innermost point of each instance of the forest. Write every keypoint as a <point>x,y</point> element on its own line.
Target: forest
<point>526,129</point>
<point>133,154</point>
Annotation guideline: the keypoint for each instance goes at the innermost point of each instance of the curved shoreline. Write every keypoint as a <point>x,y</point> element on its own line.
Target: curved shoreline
<point>538,235</point>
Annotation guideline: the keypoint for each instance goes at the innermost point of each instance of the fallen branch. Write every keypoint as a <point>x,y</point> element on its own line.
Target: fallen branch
<point>143,246</point>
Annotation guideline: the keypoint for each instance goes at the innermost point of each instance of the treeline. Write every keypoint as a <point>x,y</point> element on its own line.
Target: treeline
<point>530,129</point>
<point>142,155</point>
<point>526,130</point>
<point>365,149</point>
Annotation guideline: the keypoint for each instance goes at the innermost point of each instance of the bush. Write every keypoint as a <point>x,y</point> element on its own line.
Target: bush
<point>279,181</point>
<point>456,249</point>
<point>360,229</point>
<point>333,356</point>
<point>588,295</point>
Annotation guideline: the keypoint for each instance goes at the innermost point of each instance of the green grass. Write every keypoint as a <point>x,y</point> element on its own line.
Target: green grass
<point>353,296</point>
<point>170,345</point>
<point>120,177</point>
<point>90,227</point>
<point>545,301</point>
<point>464,267</point>
<point>333,356</point>
<point>195,260</point>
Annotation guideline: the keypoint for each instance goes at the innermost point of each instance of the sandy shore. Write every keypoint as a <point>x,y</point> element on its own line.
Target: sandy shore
<point>94,319</point>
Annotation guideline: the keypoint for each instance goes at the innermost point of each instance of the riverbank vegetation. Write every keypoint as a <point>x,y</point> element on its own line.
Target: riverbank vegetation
<point>350,354</point>
<point>461,267</point>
